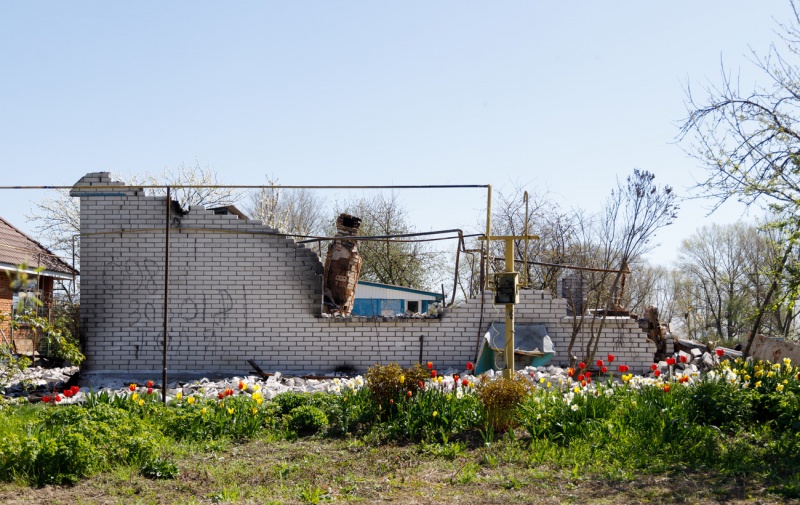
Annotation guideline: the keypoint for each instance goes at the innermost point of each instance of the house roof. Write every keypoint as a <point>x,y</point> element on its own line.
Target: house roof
<point>16,248</point>
<point>400,288</point>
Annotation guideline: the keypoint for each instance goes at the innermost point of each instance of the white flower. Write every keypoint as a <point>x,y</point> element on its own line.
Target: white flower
<point>459,394</point>
<point>574,407</point>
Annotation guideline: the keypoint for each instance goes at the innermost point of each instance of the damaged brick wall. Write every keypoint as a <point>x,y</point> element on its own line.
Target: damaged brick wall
<point>240,291</point>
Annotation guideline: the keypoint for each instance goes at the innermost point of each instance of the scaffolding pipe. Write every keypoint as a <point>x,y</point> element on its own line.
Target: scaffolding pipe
<point>485,280</point>
<point>525,255</point>
<point>166,301</point>
<point>249,186</point>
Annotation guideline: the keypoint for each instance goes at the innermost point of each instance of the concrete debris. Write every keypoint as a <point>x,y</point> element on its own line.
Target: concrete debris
<point>38,379</point>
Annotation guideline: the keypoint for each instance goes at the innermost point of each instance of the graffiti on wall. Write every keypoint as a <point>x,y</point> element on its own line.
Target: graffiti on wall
<point>196,323</point>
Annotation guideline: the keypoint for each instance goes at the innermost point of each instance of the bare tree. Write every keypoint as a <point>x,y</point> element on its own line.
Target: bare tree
<point>198,186</point>
<point>57,218</point>
<point>714,259</point>
<point>291,211</point>
<point>632,215</point>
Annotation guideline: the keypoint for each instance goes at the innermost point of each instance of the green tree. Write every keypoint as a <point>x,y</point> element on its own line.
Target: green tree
<point>392,259</point>
<point>748,142</point>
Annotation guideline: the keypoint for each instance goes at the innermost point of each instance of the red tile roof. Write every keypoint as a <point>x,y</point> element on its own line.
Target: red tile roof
<point>17,248</point>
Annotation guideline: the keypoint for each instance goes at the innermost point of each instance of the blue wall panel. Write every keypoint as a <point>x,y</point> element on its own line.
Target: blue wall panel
<point>373,307</point>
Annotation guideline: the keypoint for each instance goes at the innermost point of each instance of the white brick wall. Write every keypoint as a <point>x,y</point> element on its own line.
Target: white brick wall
<point>238,292</point>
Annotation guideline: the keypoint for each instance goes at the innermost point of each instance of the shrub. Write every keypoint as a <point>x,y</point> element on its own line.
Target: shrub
<point>391,382</point>
<point>501,398</point>
<point>307,420</point>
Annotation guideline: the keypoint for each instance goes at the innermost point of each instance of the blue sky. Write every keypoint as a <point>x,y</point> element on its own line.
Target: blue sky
<point>560,96</point>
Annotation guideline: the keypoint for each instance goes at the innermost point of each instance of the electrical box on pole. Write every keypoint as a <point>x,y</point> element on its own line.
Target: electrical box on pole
<point>506,288</point>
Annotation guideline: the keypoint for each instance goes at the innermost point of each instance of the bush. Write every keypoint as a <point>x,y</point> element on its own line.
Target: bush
<point>501,398</point>
<point>307,420</point>
<point>391,382</point>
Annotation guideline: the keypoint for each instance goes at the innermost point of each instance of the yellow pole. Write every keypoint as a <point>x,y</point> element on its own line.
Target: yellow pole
<point>508,371</point>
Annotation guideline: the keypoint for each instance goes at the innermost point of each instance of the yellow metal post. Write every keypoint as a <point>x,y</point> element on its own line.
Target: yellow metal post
<point>508,370</point>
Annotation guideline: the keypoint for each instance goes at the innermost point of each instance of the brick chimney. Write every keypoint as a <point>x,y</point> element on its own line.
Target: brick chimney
<point>342,267</point>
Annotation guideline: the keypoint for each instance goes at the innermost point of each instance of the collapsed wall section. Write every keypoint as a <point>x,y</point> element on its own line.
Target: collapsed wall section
<point>239,290</point>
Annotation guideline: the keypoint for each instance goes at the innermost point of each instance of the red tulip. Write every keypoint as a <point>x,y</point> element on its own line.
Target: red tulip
<point>599,363</point>
<point>464,382</point>
<point>581,377</point>
<point>132,387</point>
<point>75,389</point>
<point>588,374</point>
<point>666,388</point>
<point>611,358</point>
<point>455,377</point>
<point>409,393</point>
<point>720,352</point>
<point>149,384</point>
<point>46,399</point>
<point>433,373</point>
<point>570,371</point>
<point>623,368</point>
<point>58,398</point>
<point>683,359</point>
<point>653,366</point>
<point>581,365</point>
<point>657,373</point>
<point>604,370</point>
<point>149,391</point>
<point>420,384</point>
<point>68,393</point>
<point>430,365</point>
<point>470,366</point>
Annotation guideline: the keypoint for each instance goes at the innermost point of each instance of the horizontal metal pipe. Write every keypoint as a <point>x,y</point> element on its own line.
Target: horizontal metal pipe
<point>249,186</point>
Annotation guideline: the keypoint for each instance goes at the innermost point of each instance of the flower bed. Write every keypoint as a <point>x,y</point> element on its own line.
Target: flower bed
<point>740,412</point>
